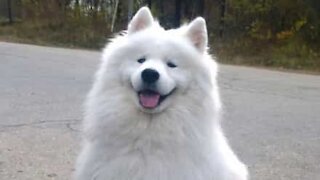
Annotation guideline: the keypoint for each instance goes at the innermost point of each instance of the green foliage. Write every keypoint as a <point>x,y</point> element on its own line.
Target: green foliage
<point>280,33</point>
<point>264,19</point>
<point>296,55</point>
<point>56,22</point>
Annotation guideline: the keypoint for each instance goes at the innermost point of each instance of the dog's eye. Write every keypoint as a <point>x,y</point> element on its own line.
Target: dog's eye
<point>141,60</point>
<point>172,65</point>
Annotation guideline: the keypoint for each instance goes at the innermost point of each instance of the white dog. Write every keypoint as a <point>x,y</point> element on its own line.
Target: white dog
<point>153,111</point>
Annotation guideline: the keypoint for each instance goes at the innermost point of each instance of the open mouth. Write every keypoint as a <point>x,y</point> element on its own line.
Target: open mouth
<point>151,99</point>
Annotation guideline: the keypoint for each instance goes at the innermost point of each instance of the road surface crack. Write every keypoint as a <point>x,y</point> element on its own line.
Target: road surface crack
<point>63,121</point>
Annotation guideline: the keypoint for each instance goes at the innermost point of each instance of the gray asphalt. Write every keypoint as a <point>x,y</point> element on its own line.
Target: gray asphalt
<point>272,119</point>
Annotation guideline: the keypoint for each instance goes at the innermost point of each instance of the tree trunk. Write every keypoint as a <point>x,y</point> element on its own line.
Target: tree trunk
<point>114,15</point>
<point>201,7</point>
<point>177,16</point>
<point>149,3</point>
<point>10,12</point>
<point>222,16</point>
<point>130,9</point>
<point>161,8</point>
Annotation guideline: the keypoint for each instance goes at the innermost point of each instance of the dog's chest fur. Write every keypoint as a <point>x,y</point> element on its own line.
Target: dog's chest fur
<point>151,156</point>
<point>141,148</point>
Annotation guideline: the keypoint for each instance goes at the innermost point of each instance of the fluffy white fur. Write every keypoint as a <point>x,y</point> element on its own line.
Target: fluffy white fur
<point>181,139</point>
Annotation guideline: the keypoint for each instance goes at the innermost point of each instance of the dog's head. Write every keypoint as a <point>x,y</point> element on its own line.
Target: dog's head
<point>157,67</point>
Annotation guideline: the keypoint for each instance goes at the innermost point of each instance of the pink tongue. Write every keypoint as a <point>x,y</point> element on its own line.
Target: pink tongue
<point>149,100</point>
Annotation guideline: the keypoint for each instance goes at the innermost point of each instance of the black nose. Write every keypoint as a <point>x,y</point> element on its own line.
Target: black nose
<point>149,76</point>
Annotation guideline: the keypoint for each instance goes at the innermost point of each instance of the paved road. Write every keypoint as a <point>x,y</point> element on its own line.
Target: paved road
<point>271,118</point>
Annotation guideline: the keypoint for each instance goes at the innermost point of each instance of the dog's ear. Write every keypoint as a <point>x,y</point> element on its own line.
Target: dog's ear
<point>141,20</point>
<point>197,34</point>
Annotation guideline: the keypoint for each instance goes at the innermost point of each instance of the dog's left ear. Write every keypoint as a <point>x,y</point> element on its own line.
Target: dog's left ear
<point>197,34</point>
<point>142,20</point>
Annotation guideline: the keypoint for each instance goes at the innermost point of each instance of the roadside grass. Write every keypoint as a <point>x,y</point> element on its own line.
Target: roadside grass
<point>292,54</point>
<point>82,34</point>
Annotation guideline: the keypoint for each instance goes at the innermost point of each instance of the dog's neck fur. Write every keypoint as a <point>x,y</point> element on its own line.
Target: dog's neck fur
<point>151,132</point>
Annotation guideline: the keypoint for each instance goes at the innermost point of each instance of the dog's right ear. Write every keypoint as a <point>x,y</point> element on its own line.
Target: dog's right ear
<point>141,20</point>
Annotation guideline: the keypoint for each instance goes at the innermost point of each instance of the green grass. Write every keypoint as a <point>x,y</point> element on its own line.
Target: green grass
<point>70,34</point>
<point>291,54</point>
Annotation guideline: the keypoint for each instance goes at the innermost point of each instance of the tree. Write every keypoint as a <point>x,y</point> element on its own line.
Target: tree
<point>149,3</point>
<point>10,12</point>
<point>222,17</point>
<point>177,16</point>
<point>130,9</point>
<point>201,7</point>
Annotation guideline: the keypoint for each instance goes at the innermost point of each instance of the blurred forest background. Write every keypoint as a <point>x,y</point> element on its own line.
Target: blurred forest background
<point>276,33</point>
